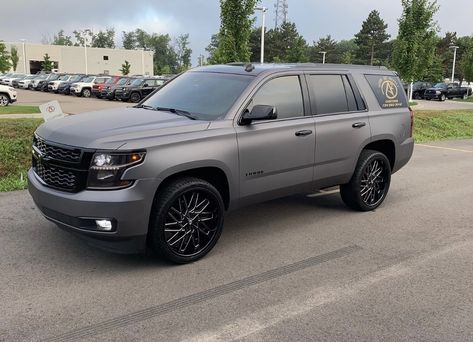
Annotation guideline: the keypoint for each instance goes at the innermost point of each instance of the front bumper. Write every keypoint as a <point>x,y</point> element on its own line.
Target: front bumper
<point>432,96</point>
<point>129,209</point>
<point>122,96</point>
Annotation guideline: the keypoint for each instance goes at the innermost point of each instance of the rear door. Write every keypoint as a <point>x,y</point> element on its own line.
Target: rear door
<point>277,156</point>
<point>148,86</point>
<point>342,126</point>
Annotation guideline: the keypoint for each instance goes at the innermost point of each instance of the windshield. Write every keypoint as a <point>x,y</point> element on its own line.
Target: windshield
<point>54,77</point>
<point>109,81</point>
<point>440,85</point>
<point>137,82</point>
<point>75,78</point>
<point>64,77</point>
<point>88,80</point>
<point>206,95</point>
<point>122,81</point>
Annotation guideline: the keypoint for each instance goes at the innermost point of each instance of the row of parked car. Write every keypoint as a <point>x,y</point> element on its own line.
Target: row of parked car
<point>123,88</point>
<point>438,91</point>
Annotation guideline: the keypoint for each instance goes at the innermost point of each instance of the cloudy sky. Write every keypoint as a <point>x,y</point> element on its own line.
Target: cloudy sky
<point>31,19</point>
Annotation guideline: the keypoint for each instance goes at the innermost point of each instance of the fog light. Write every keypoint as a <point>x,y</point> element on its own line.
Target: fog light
<point>104,225</point>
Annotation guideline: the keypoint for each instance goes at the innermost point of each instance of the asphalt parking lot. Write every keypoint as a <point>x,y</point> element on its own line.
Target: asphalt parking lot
<point>70,104</point>
<point>299,268</point>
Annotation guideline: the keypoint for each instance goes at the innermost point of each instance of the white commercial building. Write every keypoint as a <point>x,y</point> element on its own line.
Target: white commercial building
<point>79,59</point>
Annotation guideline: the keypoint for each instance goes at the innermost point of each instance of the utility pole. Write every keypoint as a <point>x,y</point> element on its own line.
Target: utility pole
<point>454,47</point>
<point>281,12</point>
<point>263,14</point>
<point>24,54</point>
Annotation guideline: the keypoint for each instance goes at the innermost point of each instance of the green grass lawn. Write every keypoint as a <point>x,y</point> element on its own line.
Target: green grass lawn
<point>15,151</point>
<point>14,109</point>
<point>469,99</point>
<point>413,103</point>
<point>443,125</point>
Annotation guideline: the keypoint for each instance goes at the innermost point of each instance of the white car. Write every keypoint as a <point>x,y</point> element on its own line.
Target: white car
<point>8,80</point>
<point>24,83</point>
<point>7,95</point>
<point>84,88</point>
<point>53,85</point>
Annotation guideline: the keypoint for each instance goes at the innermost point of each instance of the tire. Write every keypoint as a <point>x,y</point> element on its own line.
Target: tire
<point>135,97</point>
<point>442,98</point>
<point>365,191</point>
<point>428,98</point>
<point>86,92</point>
<point>184,241</point>
<point>4,100</point>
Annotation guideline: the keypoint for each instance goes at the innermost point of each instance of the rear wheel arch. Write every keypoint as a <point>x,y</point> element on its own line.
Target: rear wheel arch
<point>386,147</point>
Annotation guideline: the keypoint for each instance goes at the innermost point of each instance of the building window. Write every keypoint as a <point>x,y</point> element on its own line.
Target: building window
<point>105,58</point>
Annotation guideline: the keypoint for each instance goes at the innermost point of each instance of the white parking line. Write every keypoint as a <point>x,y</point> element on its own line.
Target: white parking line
<point>446,148</point>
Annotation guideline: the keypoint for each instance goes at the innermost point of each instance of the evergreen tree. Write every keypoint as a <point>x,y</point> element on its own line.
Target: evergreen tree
<point>125,70</point>
<point>47,65</point>
<point>327,45</point>
<point>371,38</point>
<point>14,57</point>
<point>285,45</point>
<point>212,49</point>
<point>235,30</point>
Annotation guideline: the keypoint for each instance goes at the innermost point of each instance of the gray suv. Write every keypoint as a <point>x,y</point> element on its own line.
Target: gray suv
<point>161,175</point>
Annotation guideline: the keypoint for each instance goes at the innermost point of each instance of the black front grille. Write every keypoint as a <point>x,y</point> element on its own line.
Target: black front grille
<point>57,177</point>
<point>61,167</point>
<point>56,152</point>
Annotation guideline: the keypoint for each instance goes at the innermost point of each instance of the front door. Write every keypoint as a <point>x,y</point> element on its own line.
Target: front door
<point>277,156</point>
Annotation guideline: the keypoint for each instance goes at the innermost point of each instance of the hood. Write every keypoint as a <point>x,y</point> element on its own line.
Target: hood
<point>113,128</point>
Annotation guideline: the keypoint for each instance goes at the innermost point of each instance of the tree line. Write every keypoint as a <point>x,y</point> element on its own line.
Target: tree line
<point>417,53</point>
<point>170,55</point>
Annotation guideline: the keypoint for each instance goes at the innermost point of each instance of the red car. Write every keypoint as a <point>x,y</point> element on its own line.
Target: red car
<point>97,88</point>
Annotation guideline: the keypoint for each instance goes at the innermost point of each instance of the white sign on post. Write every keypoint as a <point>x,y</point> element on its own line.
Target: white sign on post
<point>51,110</point>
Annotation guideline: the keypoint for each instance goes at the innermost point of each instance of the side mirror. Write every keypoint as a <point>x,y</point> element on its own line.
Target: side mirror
<point>145,85</point>
<point>258,113</point>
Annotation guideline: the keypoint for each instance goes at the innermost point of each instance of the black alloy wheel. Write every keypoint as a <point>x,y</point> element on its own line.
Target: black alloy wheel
<point>370,182</point>
<point>187,220</point>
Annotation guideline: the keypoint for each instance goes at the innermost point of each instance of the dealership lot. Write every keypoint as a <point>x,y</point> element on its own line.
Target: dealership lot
<point>70,104</point>
<point>298,268</point>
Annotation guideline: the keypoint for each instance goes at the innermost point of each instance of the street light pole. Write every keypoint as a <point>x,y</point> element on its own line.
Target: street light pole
<point>454,47</point>
<point>143,61</point>
<point>323,56</point>
<point>24,54</point>
<point>263,12</point>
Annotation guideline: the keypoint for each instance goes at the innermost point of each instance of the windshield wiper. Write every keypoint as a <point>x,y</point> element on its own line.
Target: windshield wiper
<point>177,112</point>
<point>145,107</point>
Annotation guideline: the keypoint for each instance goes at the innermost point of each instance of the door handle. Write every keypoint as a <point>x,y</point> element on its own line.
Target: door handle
<point>303,133</point>
<point>359,124</point>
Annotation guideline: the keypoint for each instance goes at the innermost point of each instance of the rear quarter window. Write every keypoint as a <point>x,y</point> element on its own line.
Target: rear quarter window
<point>388,90</point>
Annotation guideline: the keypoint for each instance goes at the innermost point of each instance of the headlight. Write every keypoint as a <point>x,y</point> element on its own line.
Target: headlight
<point>106,169</point>
<point>438,92</point>
<point>11,89</point>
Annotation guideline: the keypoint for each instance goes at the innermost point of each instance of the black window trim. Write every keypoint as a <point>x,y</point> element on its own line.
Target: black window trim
<point>356,92</point>
<point>304,94</point>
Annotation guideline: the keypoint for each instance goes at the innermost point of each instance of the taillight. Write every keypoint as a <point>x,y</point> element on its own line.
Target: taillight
<point>412,122</point>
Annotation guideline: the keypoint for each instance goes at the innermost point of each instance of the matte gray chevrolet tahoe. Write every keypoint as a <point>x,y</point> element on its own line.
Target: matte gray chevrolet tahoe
<point>161,175</point>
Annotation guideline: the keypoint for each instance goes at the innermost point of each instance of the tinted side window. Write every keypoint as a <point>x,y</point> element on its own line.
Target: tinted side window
<point>388,91</point>
<point>328,94</point>
<point>284,93</point>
